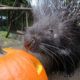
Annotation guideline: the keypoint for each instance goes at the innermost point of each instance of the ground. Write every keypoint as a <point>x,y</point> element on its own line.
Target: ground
<point>14,40</point>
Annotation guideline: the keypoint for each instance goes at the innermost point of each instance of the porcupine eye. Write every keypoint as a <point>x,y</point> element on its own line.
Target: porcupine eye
<point>51,31</point>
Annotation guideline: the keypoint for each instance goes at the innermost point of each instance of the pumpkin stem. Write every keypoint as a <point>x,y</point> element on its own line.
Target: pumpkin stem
<point>2,51</point>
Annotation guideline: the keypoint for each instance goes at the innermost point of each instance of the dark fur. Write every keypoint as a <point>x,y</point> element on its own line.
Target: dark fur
<point>57,37</point>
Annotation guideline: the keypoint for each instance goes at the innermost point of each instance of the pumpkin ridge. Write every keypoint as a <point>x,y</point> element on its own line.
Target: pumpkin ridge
<point>6,63</point>
<point>14,63</point>
<point>25,60</point>
<point>19,62</point>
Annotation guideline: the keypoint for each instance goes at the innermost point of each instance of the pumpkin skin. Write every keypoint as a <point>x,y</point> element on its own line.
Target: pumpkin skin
<point>20,65</point>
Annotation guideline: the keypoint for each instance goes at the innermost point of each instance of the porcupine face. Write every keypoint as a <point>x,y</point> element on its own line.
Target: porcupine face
<point>58,39</point>
<point>47,28</point>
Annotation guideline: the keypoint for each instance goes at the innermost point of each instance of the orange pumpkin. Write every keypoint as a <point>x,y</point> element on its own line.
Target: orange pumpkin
<point>19,65</point>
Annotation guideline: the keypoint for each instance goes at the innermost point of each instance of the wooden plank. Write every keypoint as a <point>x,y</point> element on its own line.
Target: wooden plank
<point>20,32</point>
<point>15,8</point>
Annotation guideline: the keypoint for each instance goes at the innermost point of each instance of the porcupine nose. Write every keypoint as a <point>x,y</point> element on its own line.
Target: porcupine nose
<point>31,41</point>
<point>27,41</point>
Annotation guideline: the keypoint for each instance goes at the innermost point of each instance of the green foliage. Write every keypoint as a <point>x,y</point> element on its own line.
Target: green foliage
<point>11,2</point>
<point>17,16</point>
<point>7,2</point>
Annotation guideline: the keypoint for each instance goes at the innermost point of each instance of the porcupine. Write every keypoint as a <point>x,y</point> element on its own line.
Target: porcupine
<point>55,35</point>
